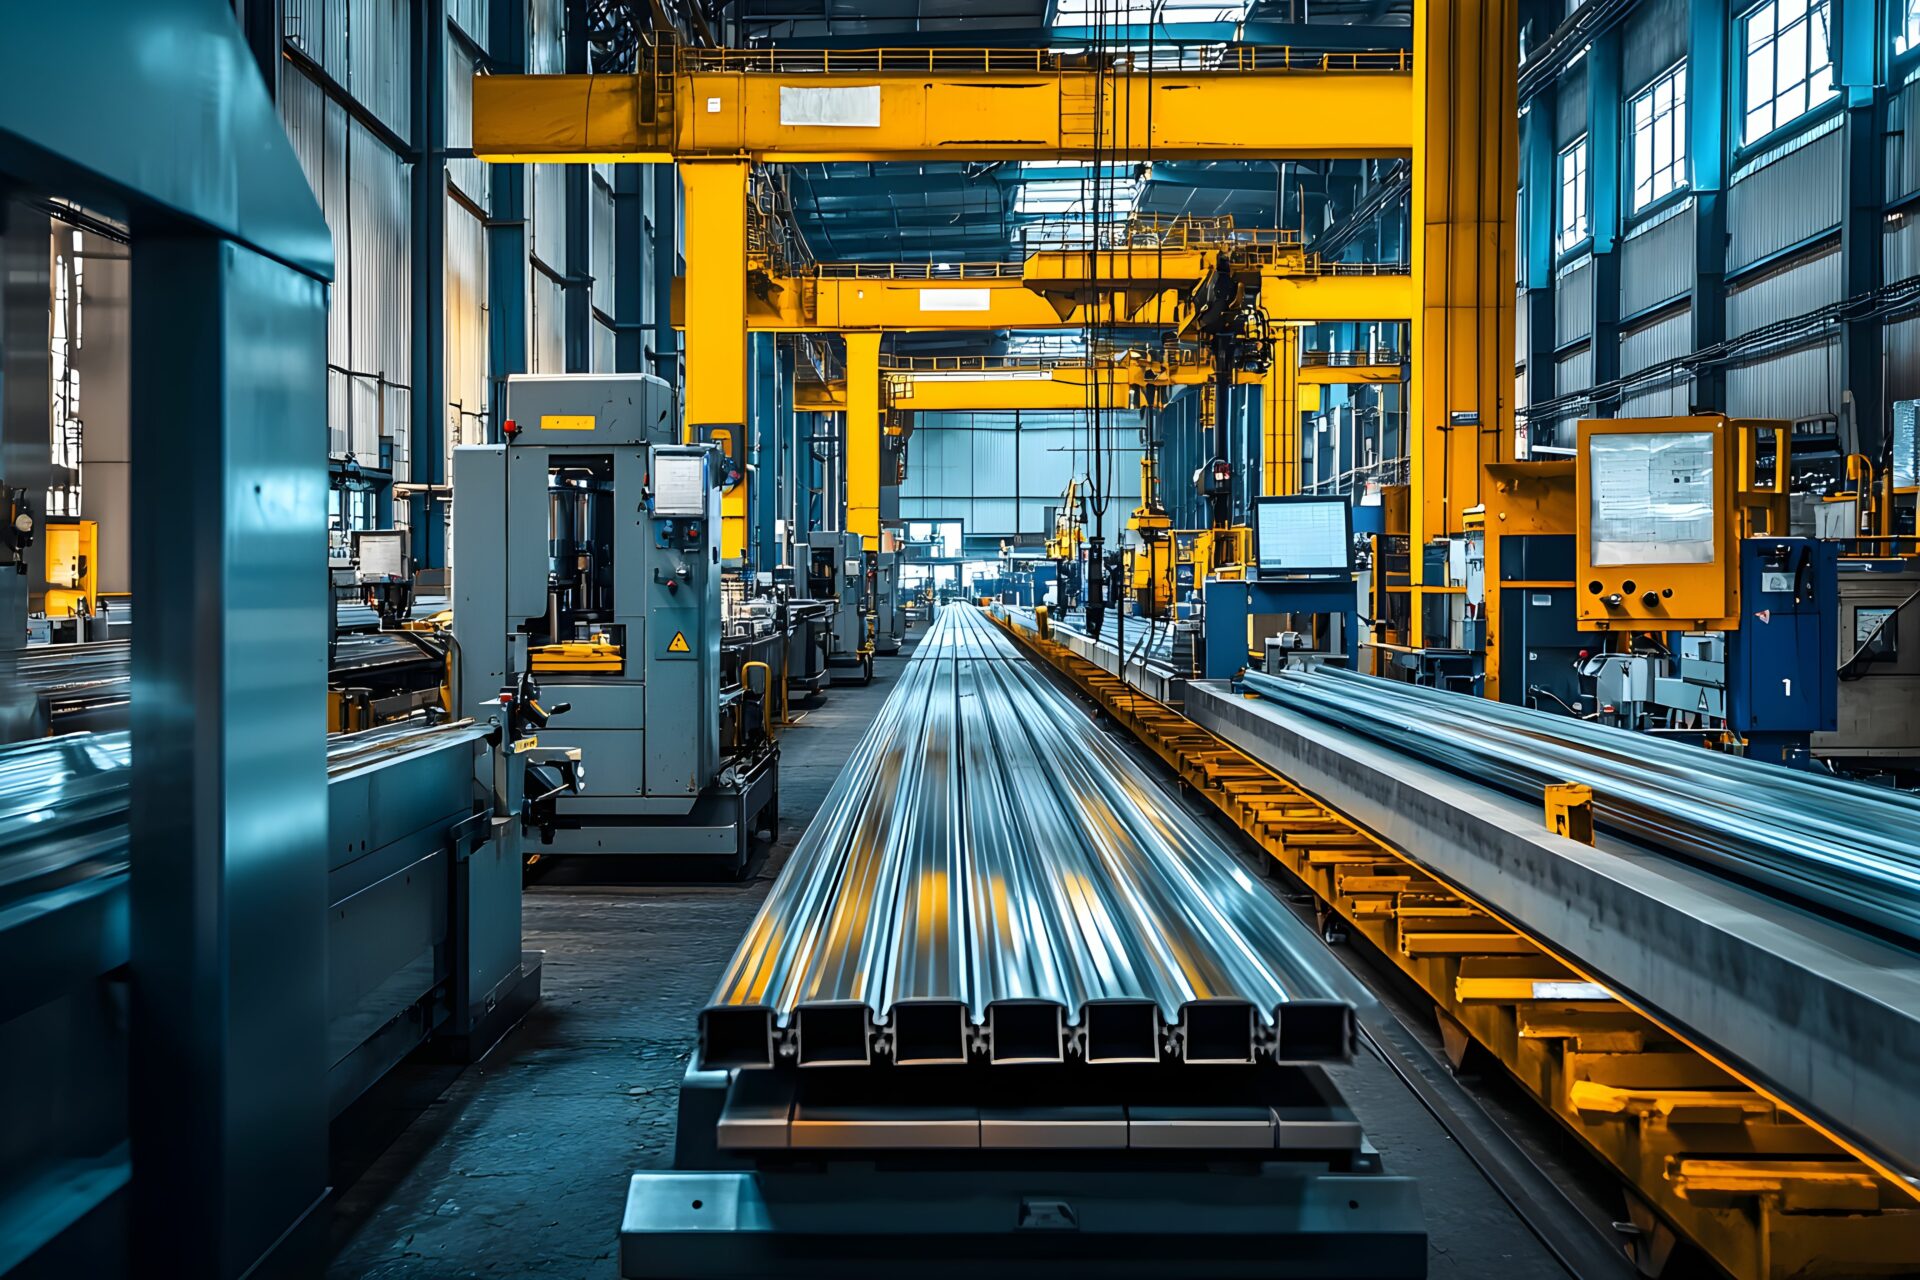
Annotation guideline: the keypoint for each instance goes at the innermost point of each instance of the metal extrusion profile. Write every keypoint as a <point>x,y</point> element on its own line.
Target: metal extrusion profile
<point>1791,994</point>
<point>992,879</point>
<point>1841,847</point>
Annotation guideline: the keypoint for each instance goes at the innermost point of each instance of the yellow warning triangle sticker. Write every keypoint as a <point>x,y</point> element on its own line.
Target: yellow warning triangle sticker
<point>679,643</point>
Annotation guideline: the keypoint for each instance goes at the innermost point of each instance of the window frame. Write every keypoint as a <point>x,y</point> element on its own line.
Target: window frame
<point>1807,115</point>
<point>1901,29</point>
<point>1565,245</point>
<point>1681,161</point>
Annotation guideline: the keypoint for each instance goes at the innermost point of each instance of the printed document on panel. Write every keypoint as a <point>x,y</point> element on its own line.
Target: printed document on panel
<point>1651,498</point>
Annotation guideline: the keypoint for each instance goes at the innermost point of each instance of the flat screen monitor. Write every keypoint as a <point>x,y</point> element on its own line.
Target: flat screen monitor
<point>1302,535</point>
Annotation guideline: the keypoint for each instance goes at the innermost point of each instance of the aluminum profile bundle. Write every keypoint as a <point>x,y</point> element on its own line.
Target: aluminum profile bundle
<point>1850,850</point>
<point>993,880</point>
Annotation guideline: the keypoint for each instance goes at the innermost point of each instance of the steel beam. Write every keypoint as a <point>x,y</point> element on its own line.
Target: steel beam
<point>726,104</point>
<point>863,431</point>
<point>716,292</point>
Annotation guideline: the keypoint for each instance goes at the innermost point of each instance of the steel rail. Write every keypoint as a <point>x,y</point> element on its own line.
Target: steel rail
<point>993,879</point>
<point>1847,850</point>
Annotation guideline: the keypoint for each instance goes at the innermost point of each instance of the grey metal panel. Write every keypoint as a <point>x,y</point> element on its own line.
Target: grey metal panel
<point>1903,141</point>
<point>1653,38</point>
<point>1804,285</point>
<point>1573,303</point>
<point>987,847</point>
<point>1802,383</point>
<point>479,589</point>
<point>1665,338</point>
<point>1902,247</point>
<point>626,408</point>
<point>227,813</point>
<point>600,214</point>
<point>1522,314</point>
<point>317,127</point>
<point>471,17</point>
<point>1574,372</point>
<point>1903,359</point>
<point>1785,202</point>
<point>466,327</point>
<point>1657,260</point>
<point>380,59</point>
<point>1570,117</point>
<point>380,273</point>
<point>1668,399</point>
<point>472,177</point>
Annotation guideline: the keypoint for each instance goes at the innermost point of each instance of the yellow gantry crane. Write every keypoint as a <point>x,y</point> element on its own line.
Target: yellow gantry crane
<point>1448,106</point>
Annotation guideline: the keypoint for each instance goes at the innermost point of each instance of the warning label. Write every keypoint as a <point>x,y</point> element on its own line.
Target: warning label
<point>679,643</point>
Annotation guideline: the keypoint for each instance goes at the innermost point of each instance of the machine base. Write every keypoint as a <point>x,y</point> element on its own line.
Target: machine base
<point>721,824</point>
<point>868,1220</point>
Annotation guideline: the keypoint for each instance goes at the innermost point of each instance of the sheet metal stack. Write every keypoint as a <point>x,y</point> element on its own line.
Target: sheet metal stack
<point>993,880</point>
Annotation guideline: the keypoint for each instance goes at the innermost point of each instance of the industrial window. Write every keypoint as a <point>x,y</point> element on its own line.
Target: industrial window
<point>1789,64</point>
<point>1906,36</point>
<point>1574,220</point>
<point>1658,118</point>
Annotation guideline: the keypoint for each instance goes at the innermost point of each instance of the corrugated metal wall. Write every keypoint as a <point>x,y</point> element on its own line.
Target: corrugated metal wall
<point>1657,260</point>
<point>365,190</point>
<point>1903,139</point>
<point>1666,337</point>
<point>1797,384</point>
<point>1793,195</point>
<point>1804,285</point>
<point>1654,37</point>
<point>1573,302</point>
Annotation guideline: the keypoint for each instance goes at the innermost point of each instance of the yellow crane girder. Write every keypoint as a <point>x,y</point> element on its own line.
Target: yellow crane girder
<point>838,304</point>
<point>943,104</point>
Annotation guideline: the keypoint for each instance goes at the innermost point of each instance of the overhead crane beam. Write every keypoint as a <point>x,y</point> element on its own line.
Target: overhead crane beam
<point>1449,105</point>
<point>839,304</point>
<point>946,104</point>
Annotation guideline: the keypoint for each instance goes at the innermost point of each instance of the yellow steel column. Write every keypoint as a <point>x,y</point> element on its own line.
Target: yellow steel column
<point>1280,415</point>
<point>716,246</point>
<point>863,437</point>
<point>1465,173</point>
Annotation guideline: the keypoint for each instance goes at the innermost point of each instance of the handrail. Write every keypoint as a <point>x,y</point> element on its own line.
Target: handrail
<point>1218,58</point>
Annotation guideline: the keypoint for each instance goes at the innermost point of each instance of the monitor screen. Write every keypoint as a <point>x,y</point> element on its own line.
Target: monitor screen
<point>1302,535</point>
<point>679,484</point>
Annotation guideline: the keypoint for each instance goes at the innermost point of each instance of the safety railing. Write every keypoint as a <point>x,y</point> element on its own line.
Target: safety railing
<point>919,270</point>
<point>1349,359</point>
<point>1228,58</point>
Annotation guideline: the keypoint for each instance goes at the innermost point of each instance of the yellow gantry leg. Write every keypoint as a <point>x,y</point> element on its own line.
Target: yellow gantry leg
<point>1465,171</point>
<point>863,437</point>
<point>1280,415</point>
<point>716,247</point>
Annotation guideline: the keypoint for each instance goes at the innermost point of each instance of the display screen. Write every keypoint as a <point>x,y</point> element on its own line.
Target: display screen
<point>679,484</point>
<point>1302,535</point>
<point>1650,497</point>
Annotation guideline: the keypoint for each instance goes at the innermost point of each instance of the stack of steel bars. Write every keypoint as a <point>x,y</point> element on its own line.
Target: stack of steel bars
<point>1847,849</point>
<point>993,880</point>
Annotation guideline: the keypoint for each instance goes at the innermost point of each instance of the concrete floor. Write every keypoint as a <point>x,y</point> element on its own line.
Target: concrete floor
<point>518,1165</point>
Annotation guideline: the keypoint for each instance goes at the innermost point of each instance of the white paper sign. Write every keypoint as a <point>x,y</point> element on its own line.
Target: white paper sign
<point>849,107</point>
<point>956,300</point>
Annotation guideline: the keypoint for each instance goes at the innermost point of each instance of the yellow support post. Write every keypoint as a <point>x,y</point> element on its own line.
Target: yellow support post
<point>716,248</point>
<point>1465,171</point>
<point>863,438</point>
<point>1280,416</point>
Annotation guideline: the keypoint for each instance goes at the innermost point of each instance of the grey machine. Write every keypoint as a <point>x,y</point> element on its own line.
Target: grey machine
<point>586,551</point>
<point>837,571</point>
<point>887,628</point>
